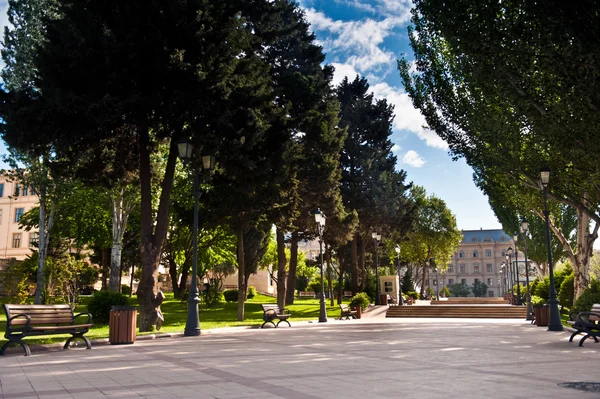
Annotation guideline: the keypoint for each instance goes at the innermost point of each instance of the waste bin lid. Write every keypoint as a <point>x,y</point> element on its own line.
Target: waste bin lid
<point>121,307</point>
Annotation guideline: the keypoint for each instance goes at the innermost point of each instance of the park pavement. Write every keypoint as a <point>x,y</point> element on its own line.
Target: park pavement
<point>369,358</point>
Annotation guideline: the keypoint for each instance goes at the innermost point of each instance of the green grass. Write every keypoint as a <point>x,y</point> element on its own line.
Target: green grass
<point>175,313</point>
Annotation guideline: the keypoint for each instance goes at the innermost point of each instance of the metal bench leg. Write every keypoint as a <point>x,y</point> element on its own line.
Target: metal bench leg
<point>263,324</point>
<point>88,344</point>
<point>583,340</point>
<point>573,335</point>
<point>23,345</point>
<point>283,321</point>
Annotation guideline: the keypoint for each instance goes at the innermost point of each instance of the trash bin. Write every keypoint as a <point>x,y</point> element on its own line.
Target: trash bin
<point>122,325</point>
<point>542,315</point>
<point>383,300</point>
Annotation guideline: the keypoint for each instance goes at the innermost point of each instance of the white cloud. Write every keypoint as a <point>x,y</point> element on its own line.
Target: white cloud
<point>384,7</point>
<point>342,71</point>
<point>412,158</point>
<point>396,148</point>
<point>407,117</point>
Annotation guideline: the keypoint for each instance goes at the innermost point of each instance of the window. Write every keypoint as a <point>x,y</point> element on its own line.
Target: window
<point>463,281</point>
<point>503,253</point>
<point>461,254</point>
<point>462,268</point>
<point>1,189</point>
<point>487,239</point>
<point>474,239</point>
<point>18,214</point>
<point>488,253</point>
<point>17,189</point>
<point>387,286</point>
<point>476,281</point>
<point>491,294</point>
<point>34,238</point>
<point>434,281</point>
<point>16,240</point>
<point>450,267</point>
<point>503,238</point>
<point>450,281</point>
<point>25,190</point>
<point>476,268</point>
<point>475,254</point>
<point>489,282</point>
<point>490,268</point>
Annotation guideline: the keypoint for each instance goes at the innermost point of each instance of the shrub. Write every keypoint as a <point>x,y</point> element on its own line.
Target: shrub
<point>413,294</point>
<point>360,299</point>
<point>445,292</point>
<point>212,296</point>
<point>231,295</point>
<point>567,291</point>
<point>588,297</point>
<point>101,303</point>
<point>542,288</point>
<point>251,292</point>
<point>125,289</point>
<point>537,300</point>
<point>14,280</point>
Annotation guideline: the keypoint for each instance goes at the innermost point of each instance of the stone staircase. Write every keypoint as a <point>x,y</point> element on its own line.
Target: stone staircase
<point>459,311</point>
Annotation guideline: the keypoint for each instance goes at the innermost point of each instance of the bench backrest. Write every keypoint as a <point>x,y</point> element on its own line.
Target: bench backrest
<point>344,307</point>
<point>39,314</point>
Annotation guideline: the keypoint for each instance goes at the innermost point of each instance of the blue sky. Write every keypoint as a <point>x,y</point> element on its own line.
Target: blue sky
<point>366,37</point>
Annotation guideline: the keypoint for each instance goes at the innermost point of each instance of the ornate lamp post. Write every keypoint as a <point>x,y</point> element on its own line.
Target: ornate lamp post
<point>320,219</point>
<point>524,230</point>
<point>186,150</point>
<point>554,323</point>
<point>503,277</point>
<point>376,239</point>
<point>510,273</point>
<point>517,273</point>
<point>400,275</point>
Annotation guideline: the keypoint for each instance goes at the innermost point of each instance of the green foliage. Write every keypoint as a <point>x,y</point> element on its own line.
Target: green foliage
<point>430,292</point>
<point>13,279</point>
<point>360,299</point>
<point>566,295</point>
<point>537,300</point>
<point>101,303</point>
<point>459,290</point>
<point>542,288</point>
<point>125,289</point>
<point>407,282</point>
<point>231,295</point>
<point>251,292</point>
<point>413,294</point>
<point>589,297</point>
<point>479,289</point>
<point>445,292</point>
<point>212,296</point>
<point>301,283</point>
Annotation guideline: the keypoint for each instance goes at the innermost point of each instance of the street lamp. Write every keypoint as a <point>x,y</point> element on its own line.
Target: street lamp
<point>399,277</point>
<point>515,239</point>
<point>320,219</point>
<point>510,273</point>
<point>186,150</point>
<point>554,323</point>
<point>524,230</point>
<point>504,277</point>
<point>376,239</point>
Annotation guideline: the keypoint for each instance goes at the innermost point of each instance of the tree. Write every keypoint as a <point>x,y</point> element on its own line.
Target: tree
<point>479,288</point>
<point>459,290</point>
<point>514,99</point>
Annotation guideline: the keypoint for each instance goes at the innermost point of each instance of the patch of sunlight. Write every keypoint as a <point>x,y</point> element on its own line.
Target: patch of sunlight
<point>451,349</point>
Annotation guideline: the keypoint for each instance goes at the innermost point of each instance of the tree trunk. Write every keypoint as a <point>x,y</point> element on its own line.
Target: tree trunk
<point>354,264</point>
<point>174,279</point>
<point>361,262</point>
<point>329,275</point>
<point>241,277</point>
<point>153,233</point>
<point>105,267</point>
<point>120,213</point>
<point>131,281</point>
<point>291,277</point>
<point>281,265</point>
<point>340,293</point>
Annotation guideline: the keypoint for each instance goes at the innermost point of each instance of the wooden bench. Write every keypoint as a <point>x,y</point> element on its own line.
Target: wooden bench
<point>31,320</point>
<point>272,313</point>
<point>347,313</point>
<point>306,294</point>
<point>587,323</point>
<point>391,300</point>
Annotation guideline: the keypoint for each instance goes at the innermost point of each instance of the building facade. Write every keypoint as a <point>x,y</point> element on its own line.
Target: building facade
<point>15,200</point>
<point>480,256</point>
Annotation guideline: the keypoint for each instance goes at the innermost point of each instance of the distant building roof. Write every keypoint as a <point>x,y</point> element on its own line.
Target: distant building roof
<point>496,235</point>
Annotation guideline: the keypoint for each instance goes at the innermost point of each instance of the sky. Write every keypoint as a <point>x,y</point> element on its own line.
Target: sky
<point>367,37</point>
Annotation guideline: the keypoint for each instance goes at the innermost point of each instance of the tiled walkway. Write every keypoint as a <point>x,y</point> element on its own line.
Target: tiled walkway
<point>372,358</point>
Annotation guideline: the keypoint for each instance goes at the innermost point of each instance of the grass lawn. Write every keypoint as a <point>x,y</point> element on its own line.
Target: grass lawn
<point>175,313</point>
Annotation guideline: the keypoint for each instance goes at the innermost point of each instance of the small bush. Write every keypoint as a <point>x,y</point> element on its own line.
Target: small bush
<point>360,299</point>
<point>212,296</point>
<point>101,303</point>
<point>231,295</point>
<point>537,300</point>
<point>567,291</point>
<point>413,294</point>
<point>251,292</point>
<point>125,289</point>
<point>588,297</point>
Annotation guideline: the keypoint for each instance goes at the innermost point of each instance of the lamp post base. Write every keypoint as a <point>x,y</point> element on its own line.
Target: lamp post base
<point>322,311</point>
<point>192,324</point>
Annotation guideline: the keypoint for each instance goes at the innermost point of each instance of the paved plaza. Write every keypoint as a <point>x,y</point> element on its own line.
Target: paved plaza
<point>369,358</point>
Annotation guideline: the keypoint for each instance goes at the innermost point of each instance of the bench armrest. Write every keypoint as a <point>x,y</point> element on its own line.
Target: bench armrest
<point>89,317</point>
<point>286,311</point>
<point>24,327</point>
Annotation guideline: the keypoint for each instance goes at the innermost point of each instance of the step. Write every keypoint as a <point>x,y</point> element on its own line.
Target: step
<point>468,311</point>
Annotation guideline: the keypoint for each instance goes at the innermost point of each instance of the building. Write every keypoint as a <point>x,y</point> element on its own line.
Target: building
<point>479,257</point>
<point>15,200</point>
